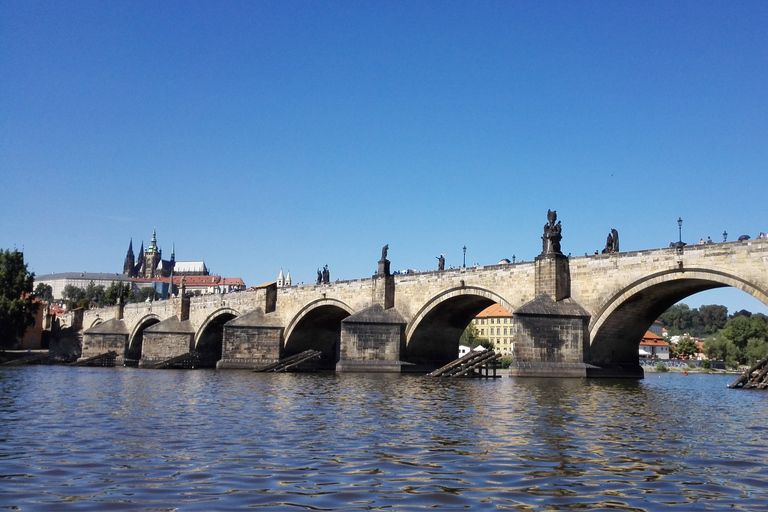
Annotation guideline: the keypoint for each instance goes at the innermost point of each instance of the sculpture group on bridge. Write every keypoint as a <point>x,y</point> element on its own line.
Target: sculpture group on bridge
<point>552,234</point>
<point>323,276</point>
<point>612,242</point>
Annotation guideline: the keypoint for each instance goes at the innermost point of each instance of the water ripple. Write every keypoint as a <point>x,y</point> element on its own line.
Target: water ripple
<point>128,439</point>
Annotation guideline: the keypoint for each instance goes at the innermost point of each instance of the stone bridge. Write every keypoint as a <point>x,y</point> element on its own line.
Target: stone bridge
<point>577,316</point>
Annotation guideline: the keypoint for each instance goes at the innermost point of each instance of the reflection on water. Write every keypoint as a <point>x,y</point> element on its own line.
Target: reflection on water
<point>130,439</point>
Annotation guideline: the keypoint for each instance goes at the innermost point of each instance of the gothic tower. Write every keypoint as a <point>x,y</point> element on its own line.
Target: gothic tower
<point>152,257</point>
<point>130,261</point>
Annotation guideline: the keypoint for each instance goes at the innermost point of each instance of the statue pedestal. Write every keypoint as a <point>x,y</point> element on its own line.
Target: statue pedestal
<point>383,292</point>
<point>553,276</point>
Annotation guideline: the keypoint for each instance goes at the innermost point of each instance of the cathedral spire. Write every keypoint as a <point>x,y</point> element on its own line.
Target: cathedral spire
<point>130,261</point>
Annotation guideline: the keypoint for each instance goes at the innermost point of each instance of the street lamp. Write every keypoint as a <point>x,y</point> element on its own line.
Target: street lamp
<point>725,235</point>
<point>513,258</point>
<point>679,245</point>
<point>465,256</point>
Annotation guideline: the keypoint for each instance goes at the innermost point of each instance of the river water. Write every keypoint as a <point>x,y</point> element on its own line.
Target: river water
<point>130,439</point>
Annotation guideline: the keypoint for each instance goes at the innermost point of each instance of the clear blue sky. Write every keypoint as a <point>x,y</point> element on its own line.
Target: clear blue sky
<point>265,135</point>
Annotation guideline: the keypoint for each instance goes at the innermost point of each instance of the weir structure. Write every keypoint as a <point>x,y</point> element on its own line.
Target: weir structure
<point>573,316</point>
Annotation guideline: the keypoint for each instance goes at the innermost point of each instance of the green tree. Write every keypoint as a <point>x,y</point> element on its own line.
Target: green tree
<point>713,318</point>
<point>471,338</point>
<point>17,304</point>
<point>95,293</point>
<point>73,293</point>
<point>740,329</point>
<point>686,347</point>
<point>148,293</point>
<point>115,290</point>
<point>680,319</point>
<point>44,292</point>
<point>469,335</point>
<point>677,319</point>
<point>715,347</point>
<point>756,350</point>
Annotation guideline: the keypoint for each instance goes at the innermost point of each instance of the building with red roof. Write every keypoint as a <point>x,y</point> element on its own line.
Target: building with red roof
<point>653,346</point>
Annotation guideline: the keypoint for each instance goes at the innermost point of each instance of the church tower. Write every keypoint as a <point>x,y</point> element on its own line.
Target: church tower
<point>288,279</point>
<point>280,279</point>
<point>152,257</point>
<point>130,261</point>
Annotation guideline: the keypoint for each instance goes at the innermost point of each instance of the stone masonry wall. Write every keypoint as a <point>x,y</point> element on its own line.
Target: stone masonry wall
<point>249,347</point>
<point>160,346</point>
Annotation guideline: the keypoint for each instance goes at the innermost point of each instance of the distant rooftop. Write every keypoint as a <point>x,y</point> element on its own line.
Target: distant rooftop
<point>85,276</point>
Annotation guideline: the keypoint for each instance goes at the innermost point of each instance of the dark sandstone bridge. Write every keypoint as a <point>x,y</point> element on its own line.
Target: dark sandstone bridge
<point>579,316</point>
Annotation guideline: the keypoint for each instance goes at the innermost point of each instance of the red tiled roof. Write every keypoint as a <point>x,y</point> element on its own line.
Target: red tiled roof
<point>494,310</point>
<point>650,339</point>
<point>194,280</point>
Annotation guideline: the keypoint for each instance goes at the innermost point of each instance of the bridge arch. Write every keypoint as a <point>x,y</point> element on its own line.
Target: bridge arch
<point>618,325</point>
<point>136,339</point>
<point>432,336</point>
<point>317,326</point>
<point>209,338</point>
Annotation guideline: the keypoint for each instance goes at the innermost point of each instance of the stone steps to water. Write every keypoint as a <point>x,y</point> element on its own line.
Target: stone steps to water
<point>291,363</point>
<point>755,377</point>
<point>474,364</point>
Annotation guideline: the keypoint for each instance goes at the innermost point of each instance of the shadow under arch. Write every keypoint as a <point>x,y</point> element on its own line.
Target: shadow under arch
<point>432,337</point>
<point>620,323</point>
<point>136,339</point>
<point>209,339</point>
<point>318,327</point>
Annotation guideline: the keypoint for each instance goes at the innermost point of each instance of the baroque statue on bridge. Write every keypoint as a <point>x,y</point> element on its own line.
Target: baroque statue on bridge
<point>552,234</point>
<point>612,242</point>
<point>326,275</point>
<point>440,262</point>
<point>383,269</point>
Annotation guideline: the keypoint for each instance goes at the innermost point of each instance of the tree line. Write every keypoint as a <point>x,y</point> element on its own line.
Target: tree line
<point>741,338</point>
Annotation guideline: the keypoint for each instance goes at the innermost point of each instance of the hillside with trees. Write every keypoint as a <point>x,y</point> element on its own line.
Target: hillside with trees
<point>741,338</point>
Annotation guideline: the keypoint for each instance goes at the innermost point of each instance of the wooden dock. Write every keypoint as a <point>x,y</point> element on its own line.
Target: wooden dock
<point>755,377</point>
<point>474,364</point>
<point>294,362</point>
<point>106,359</point>
<point>185,361</point>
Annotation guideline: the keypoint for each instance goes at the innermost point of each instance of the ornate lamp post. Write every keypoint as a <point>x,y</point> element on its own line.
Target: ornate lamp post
<point>725,235</point>
<point>679,245</point>
<point>465,256</point>
<point>513,258</point>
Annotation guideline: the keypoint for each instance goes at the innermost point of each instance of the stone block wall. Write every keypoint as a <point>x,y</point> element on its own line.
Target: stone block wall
<point>250,347</point>
<point>96,344</point>
<point>370,347</point>
<point>160,346</point>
